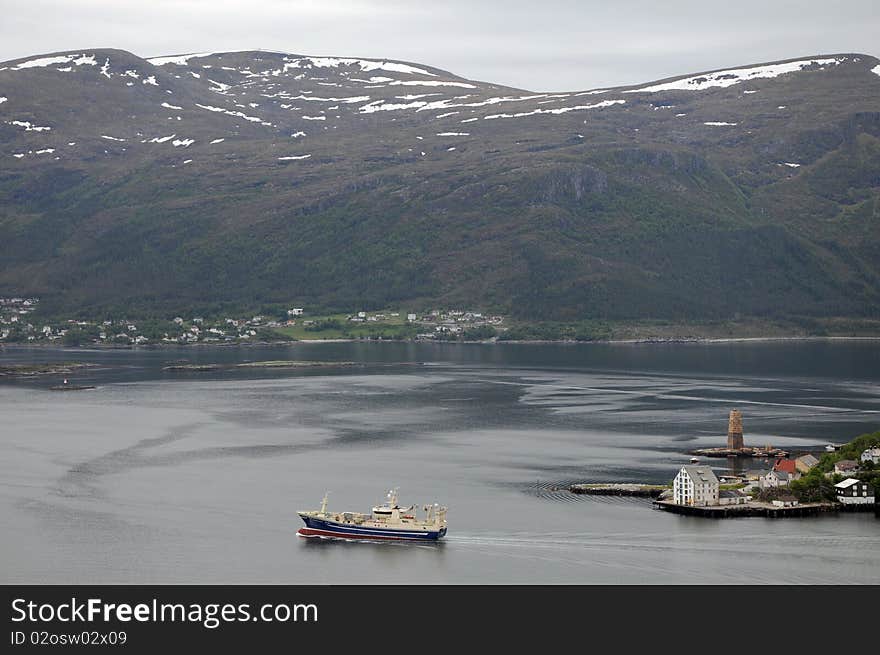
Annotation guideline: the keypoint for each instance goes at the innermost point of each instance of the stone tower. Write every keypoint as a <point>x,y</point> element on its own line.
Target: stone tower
<point>735,430</point>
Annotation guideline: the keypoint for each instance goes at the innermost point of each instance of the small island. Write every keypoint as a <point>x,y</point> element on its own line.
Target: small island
<point>40,370</point>
<point>735,445</point>
<point>273,364</point>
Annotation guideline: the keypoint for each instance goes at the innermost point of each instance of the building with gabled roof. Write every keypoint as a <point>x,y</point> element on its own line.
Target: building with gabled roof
<point>804,463</point>
<point>774,478</point>
<point>854,492</point>
<point>695,485</point>
<point>787,465</point>
<point>846,466</point>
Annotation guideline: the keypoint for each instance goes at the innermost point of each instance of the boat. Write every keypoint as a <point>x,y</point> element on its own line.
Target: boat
<point>387,521</point>
<point>695,460</point>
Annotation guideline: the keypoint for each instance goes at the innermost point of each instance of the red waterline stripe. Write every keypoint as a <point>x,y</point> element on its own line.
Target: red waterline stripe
<point>311,532</point>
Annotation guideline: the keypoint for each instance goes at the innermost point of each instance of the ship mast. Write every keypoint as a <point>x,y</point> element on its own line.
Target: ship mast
<point>324,503</point>
<point>392,498</point>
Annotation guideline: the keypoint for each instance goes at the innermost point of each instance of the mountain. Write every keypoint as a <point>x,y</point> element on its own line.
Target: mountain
<point>238,179</point>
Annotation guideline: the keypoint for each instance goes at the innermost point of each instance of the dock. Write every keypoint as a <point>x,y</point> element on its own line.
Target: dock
<point>619,489</point>
<point>760,509</point>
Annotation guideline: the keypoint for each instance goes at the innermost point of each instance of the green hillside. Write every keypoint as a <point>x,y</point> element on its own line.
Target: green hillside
<point>759,198</point>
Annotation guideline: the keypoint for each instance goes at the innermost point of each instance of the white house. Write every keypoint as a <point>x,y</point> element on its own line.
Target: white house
<point>695,485</point>
<point>774,478</point>
<point>872,455</point>
<point>410,317</point>
<point>296,311</point>
<point>853,492</point>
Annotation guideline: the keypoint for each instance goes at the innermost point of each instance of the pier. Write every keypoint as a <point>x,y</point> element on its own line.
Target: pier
<point>760,509</point>
<point>619,489</point>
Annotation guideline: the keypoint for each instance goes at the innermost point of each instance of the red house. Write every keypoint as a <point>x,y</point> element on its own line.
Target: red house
<point>786,465</point>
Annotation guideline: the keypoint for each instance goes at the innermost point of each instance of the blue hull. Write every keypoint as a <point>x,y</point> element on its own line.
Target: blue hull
<point>322,528</point>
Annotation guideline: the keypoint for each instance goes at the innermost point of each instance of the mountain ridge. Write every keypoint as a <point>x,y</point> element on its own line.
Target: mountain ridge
<point>252,177</point>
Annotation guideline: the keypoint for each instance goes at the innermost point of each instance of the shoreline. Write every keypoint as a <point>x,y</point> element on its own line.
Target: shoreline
<point>659,341</point>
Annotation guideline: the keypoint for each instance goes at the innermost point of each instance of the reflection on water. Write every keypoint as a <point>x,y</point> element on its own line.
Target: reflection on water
<point>182,476</point>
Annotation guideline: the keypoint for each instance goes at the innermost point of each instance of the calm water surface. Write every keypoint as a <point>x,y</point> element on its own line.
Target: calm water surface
<point>173,477</point>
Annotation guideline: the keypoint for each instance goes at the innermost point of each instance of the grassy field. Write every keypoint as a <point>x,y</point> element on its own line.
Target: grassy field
<point>337,326</point>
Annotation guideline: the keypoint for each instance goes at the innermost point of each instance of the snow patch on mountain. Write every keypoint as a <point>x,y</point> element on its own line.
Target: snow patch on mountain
<point>348,100</point>
<point>463,85</point>
<point>170,106</point>
<point>366,65</point>
<point>238,114</point>
<point>727,78</point>
<point>28,126</point>
<point>180,60</point>
<point>446,103</point>
<point>416,96</point>
<point>292,157</point>
<point>42,62</point>
<point>876,69</point>
<point>719,123</point>
<point>560,110</point>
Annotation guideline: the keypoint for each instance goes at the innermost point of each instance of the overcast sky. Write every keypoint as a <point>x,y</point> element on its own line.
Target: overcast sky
<point>539,45</point>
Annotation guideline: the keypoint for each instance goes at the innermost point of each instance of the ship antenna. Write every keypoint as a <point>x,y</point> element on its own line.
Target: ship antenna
<point>324,503</point>
<point>392,497</point>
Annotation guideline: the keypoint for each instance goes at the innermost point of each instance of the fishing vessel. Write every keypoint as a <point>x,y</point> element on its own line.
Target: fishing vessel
<point>387,521</point>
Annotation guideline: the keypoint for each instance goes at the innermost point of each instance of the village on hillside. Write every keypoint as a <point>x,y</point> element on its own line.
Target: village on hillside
<point>17,325</point>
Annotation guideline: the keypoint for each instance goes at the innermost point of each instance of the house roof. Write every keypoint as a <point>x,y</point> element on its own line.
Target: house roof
<point>700,473</point>
<point>787,498</point>
<point>846,484</point>
<point>808,459</point>
<point>730,493</point>
<point>787,465</point>
<point>846,463</point>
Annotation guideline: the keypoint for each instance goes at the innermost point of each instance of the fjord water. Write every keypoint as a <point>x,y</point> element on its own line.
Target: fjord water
<point>159,476</point>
